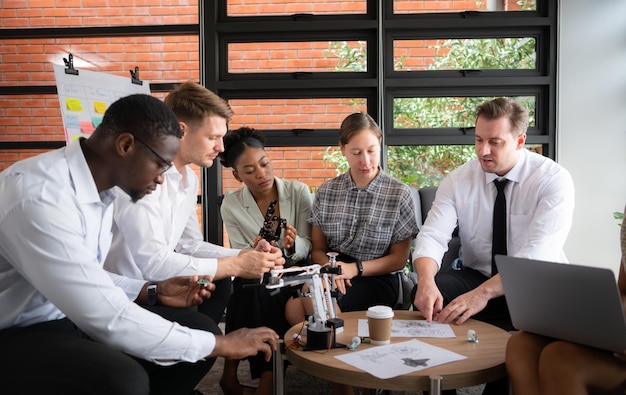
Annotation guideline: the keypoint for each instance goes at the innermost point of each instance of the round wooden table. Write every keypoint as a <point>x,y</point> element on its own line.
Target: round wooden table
<point>484,362</point>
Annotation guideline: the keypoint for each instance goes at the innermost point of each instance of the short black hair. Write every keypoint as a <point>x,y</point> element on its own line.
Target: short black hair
<point>141,115</point>
<point>236,141</point>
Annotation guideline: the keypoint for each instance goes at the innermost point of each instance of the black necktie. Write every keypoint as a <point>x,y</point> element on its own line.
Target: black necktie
<point>498,245</point>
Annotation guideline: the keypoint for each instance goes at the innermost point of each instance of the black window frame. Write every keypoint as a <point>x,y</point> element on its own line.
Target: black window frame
<point>381,83</point>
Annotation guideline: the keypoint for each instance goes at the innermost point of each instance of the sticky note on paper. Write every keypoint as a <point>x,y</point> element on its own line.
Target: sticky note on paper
<point>73,104</point>
<point>86,127</point>
<point>96,121</point>
<point>71,121</point>
<point>72,134</point>
<point>99,107</point>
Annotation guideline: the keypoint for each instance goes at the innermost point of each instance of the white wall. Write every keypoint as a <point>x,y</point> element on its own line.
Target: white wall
<point>591,123</point>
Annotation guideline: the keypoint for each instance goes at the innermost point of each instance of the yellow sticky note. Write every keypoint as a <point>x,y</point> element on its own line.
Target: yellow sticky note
<point>73,104</point>
<point>100,107</point>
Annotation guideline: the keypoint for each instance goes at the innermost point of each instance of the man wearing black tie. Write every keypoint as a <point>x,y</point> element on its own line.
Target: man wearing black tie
<point>507,201</point>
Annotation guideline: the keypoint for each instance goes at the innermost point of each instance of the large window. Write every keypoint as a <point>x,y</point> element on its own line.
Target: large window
<point>419,68</point>
<point>294,70</point>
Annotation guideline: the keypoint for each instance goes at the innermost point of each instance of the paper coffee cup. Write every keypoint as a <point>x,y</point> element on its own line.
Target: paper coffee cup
<point>379,323</point>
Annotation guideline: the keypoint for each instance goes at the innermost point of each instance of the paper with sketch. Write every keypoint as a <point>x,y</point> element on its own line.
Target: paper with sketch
<point>412,328</point>
<point>397,359</point>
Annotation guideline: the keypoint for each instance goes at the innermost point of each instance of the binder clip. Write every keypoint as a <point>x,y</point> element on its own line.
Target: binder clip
<point>134,76</point>
<point>69,65</point>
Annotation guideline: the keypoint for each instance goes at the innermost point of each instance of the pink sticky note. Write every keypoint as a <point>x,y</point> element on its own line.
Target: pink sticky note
<point>86,127</point>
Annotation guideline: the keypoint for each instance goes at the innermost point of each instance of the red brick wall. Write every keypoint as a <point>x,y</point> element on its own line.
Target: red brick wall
<point>289,7</point>
<point>304,164</point>
<point>72,13</point>
<point>176,58</point>
<point>169,59</point>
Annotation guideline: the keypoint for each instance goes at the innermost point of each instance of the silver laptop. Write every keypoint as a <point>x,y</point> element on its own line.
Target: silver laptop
<point>570,302</point>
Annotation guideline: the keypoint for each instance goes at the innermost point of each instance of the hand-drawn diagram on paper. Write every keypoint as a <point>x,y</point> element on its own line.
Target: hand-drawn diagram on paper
<point>397,359</point>
<point>412,328</point>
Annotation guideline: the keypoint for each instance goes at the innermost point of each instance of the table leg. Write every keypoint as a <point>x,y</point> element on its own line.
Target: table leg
<point>279,368</point>
<point>435,385</point>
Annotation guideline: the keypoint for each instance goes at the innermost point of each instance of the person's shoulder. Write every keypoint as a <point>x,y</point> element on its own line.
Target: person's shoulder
<point>43,179</point>
<point>47,174</point>
<point>333,182</point>
<point>393,182</point>
<point>465,172</point>
<point>232,198</point>
<point>542,165</point>
<point>472,165</point>
<point>294,191</point>
<point>297,187</point>
<point>332,188</point>
<point>536,159</point>
<point>231,204</point>
<point>292,184</point>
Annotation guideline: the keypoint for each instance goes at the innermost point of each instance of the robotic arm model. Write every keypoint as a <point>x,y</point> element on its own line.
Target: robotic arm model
<point>323,325</point>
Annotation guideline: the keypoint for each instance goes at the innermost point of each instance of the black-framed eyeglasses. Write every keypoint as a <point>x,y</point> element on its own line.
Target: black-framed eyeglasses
<point>167,163</point>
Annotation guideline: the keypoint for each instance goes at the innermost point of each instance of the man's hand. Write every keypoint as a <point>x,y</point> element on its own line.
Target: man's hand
<point>262,245</point>
<point>254,263</point>
<point>183,291</point>
<point>463,307</point>
<point>245,342</point>
<point>466,305</point>
<point>428,299</point>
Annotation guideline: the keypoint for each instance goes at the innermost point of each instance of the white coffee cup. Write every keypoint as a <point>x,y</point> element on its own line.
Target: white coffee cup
<point>379,322</point>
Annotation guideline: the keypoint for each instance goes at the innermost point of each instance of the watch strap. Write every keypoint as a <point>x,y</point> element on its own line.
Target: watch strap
<point>359,267</point>
<point>152,294</point>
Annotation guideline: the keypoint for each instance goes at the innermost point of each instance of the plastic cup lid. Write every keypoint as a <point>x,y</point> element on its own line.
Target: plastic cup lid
<point>379,312</point>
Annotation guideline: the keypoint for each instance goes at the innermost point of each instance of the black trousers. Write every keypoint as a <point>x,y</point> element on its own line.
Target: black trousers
<point>56,357</point>
<point>252,306</point>
<point>370,291</point>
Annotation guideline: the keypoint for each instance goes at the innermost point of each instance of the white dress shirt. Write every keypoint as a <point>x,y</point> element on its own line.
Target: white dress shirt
<point>540,206</point>
<point>55,231</point>
<point>159,237</point>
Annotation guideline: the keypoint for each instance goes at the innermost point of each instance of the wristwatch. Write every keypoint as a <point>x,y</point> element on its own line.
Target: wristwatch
<point>152,294</point>
<point>359,267</point>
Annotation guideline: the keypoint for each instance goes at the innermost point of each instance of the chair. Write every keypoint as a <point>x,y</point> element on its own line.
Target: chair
<point>427,196</point>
